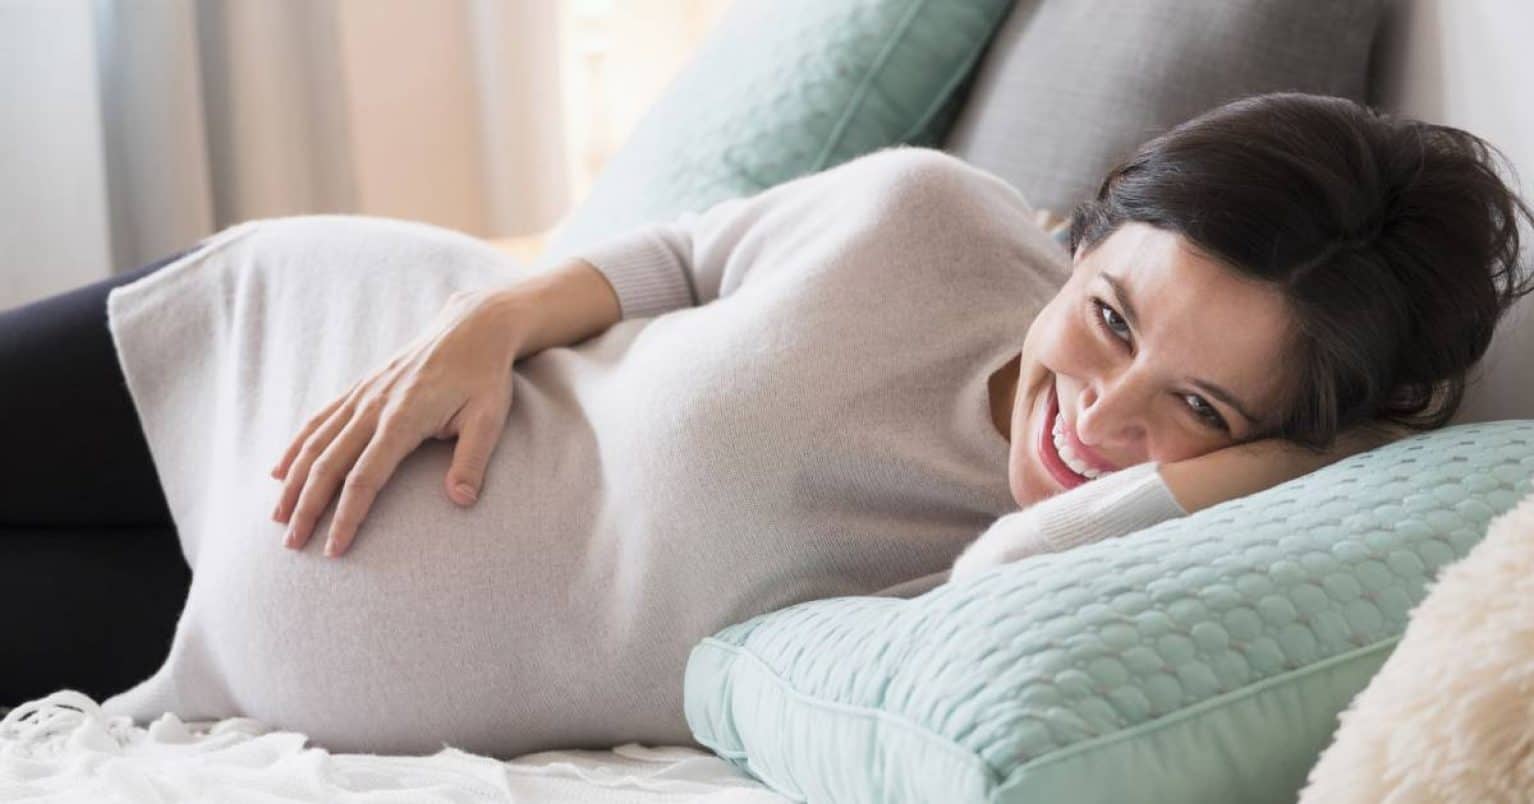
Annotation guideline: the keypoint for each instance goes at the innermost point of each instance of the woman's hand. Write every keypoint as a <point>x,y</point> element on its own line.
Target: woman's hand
<point>453,380</point>
<point>1248,468</point>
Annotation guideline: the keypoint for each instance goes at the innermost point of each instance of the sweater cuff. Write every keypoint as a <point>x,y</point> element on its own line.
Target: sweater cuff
<point>1116,505</point>
<point>645,273</point>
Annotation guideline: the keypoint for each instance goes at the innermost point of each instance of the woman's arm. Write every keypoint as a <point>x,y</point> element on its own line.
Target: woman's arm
<point>701,256</point>
<point>1145,494</point>
<point>1116,505</point>
<point>1243,469</point>
<point>560,307</point>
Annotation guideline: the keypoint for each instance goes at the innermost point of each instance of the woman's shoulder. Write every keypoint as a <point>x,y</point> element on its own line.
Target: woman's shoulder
<point>913,161</point>
<point>931,193</point>
<point>929,175</point>
<point>909,184</point>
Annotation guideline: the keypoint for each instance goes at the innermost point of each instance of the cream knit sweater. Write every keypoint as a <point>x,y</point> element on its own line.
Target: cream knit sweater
<point>794,407</point>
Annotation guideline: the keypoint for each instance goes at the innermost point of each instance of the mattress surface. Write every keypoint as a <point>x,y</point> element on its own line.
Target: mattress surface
<point>62,747</point>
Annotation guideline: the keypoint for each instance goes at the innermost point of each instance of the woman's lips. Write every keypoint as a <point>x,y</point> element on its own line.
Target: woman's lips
<point>1045,444</point>
<point>1086,453</point>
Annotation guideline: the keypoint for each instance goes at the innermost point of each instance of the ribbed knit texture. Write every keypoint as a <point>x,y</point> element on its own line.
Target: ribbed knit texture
<point>809,418</point>
<point>649,278</point>
<point>1111,506</point>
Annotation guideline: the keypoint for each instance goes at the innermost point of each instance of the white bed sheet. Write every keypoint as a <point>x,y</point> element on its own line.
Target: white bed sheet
<point>62,748</point>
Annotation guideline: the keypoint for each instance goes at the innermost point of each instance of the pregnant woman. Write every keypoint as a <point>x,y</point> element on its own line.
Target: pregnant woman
<point>828,388</point>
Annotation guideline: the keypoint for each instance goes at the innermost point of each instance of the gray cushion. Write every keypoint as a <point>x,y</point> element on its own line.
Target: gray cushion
<point>1067,89</point>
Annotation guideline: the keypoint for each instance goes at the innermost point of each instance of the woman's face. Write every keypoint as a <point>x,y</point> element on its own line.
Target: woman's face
<point>1151,351</point>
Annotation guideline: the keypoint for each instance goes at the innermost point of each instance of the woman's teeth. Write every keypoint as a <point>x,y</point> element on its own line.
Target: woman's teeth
<point>1062,446</point>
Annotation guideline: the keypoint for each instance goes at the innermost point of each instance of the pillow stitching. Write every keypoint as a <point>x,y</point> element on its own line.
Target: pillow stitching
<point>960,73</point>
<point>919,730</point>
<point>1182,716</point>
<point>1188,713</point>
<point>880,61</point>
<point>997,778</point>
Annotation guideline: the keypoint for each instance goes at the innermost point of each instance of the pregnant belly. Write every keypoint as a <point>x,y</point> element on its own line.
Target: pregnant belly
<point>441,624</point>
<point>484,627</point>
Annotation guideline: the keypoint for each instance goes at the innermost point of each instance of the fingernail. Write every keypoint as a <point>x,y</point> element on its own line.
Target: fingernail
<point>467,492</point>
<point>330,549</point>
<point>287,538</point>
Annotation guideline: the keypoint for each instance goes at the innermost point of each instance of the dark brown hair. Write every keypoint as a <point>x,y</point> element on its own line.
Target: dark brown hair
<point>1394,241</point>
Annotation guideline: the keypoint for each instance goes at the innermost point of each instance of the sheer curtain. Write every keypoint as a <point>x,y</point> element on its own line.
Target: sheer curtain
<point>135,128</point>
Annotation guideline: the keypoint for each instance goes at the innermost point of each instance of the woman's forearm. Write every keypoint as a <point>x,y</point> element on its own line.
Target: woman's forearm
<point>560,307</point>
<point>1236,471</point>
<point>1225,474</point>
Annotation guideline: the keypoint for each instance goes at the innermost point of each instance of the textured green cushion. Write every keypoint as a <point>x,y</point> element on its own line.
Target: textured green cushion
<point>780,89</point>
<point>1203,659</point>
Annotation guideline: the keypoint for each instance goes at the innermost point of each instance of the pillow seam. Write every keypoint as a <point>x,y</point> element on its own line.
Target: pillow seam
<point>880,62</point>
<point>998,778</point>
<point>739,651</point>
<point>1175,718</point>
<point>960,72</point>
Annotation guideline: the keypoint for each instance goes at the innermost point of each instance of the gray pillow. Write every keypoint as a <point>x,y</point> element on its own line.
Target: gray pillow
<point>1067,89</point>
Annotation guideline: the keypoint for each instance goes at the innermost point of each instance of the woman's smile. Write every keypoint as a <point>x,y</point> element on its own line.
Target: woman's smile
<point>1096,391</point>
<point>1070,462</point>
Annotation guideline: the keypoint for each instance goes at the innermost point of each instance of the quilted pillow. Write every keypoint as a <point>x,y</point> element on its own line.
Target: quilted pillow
<point>784,88</point>
<point>1203,659</point>
<point>1429,730</point>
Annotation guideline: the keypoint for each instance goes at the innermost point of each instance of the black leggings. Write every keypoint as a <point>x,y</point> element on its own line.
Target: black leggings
<point>91,573</point>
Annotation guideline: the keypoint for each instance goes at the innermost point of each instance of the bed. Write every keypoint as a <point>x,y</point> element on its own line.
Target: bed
<point>62,748</point>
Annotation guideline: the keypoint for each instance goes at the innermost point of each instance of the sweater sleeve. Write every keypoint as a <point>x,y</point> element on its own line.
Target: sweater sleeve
<point>1119,504</point>
<point>674,264</point>
<point>699,257</point>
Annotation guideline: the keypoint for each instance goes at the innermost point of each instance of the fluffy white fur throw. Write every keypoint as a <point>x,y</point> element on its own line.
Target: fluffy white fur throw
<point>1450,716</point>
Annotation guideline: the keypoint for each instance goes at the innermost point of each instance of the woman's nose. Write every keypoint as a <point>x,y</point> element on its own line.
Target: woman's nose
<point>1111,412</point>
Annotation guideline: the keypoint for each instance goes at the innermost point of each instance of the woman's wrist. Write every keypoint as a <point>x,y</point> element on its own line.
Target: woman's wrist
<point>1236,471</point>
<point>516,310</point>
<point>560,307</point>
<point>1115,505</point>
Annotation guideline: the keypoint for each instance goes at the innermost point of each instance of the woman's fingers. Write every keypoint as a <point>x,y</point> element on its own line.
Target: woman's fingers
<point>298,474</point>
<point>326,476</point>
<point>309,427</point>
<point>451,381</point>
<point>392,442</point>
<point>477,440</point>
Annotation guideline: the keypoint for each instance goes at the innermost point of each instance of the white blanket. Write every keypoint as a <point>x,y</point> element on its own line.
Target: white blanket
<point>63,748</point>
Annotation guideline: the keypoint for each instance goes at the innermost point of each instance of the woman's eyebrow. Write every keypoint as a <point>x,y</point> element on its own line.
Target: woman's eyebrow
<point>1121,294</point>
<point>1225,396</point>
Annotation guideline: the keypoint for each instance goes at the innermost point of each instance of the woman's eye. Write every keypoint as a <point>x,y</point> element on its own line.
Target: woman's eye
<point>1111,320</point>
<point>1206,411</point>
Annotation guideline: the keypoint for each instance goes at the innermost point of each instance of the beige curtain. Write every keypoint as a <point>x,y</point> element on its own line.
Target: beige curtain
<point>445,111</point>
<point>136,127</point>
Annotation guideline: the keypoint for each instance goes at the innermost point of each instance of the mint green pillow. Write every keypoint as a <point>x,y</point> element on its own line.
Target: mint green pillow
<point>1203,659</point>
<point>784,88</point>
